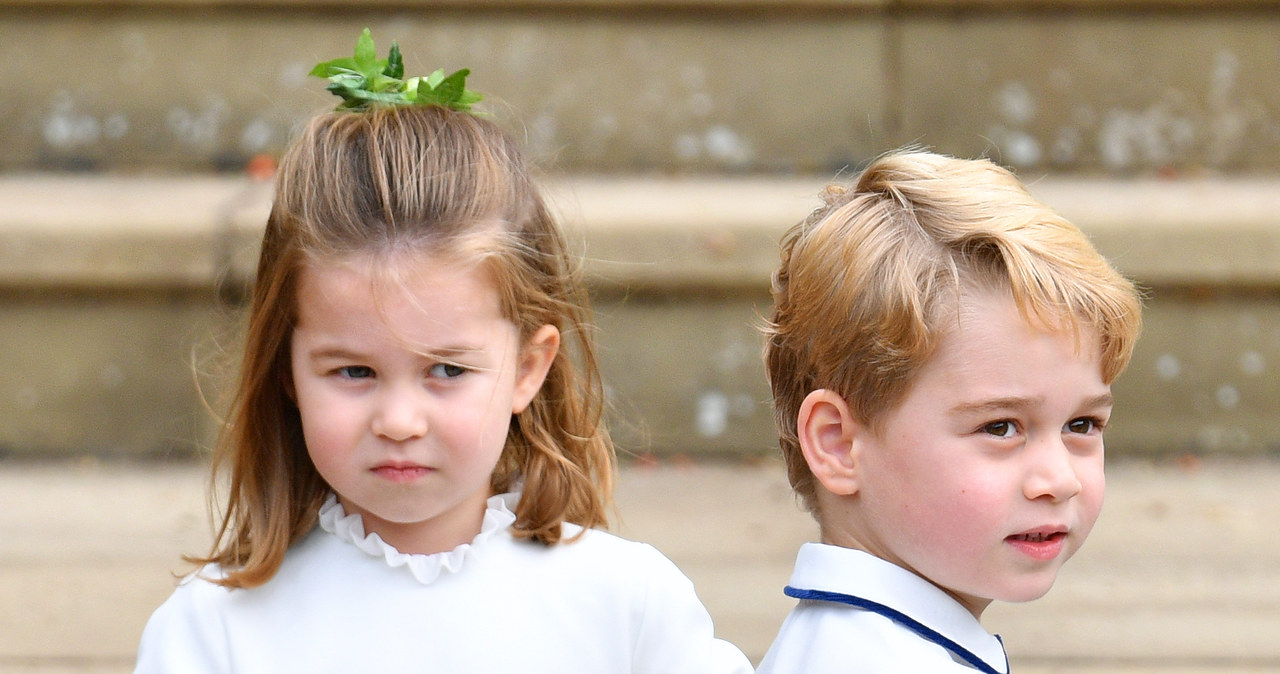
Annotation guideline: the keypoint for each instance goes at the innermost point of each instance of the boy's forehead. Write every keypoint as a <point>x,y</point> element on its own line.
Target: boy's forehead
<point>975,306</point>
<point>990,329</point>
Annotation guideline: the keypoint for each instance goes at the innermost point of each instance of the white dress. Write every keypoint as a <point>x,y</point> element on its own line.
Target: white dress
<point>859,613</point>
<point>346,602</point>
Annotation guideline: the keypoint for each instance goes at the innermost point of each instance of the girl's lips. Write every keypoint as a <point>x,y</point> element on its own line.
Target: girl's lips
<point>1040,544</point>
<point>401,472</point>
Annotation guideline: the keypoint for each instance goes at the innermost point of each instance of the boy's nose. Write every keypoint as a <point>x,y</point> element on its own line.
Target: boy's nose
<point>399,418</point>
<point>1052,474</point>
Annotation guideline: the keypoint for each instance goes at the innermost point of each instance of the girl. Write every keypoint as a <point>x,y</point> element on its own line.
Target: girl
<point>415,469</point>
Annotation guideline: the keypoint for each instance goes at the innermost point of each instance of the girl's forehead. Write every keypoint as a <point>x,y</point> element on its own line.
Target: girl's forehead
<point>424,305</point>
<point>397,280</point>
<point>396,270</point>
<point>392,258</point>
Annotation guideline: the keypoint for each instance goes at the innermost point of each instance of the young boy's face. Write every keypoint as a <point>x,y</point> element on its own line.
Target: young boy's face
<point>988,475</point>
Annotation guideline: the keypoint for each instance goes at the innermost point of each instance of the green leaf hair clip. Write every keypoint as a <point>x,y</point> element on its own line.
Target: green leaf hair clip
<point>364,80</point>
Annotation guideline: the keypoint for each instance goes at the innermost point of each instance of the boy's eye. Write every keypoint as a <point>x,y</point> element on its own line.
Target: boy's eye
<point>356,371</point>
<point>1001,429</point>
<point>447,371</point>
<point>1083,425</point>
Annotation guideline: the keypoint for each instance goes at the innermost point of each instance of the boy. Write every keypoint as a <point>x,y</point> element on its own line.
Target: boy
<point>941,352</point>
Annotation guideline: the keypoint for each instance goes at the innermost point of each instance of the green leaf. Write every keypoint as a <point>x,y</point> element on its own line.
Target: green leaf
<point>395,63</point>
<point>411,89</point>
<point>339,84</point>
<point>385,83</point>
<point>331,68</point>
<point>451,88</point>
<point>364,79</point>
<point>366,56</point>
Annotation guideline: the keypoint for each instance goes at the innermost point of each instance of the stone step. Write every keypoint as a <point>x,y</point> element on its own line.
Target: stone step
<point>1181,575</point>
<point>119,301</point>
<point>1131,87</point>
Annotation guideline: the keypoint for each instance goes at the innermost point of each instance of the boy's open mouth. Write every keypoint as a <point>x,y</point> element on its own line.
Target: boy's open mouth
<point>1043,545</point>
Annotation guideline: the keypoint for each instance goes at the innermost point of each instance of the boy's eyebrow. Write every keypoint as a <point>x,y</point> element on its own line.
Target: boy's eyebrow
<point>1104,400</point>
<point>1024,402</point>
<point>1100,400</point>
<point>996,404</point>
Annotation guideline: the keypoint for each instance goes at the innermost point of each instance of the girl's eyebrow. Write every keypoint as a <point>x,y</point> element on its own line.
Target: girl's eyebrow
<point>449,352</point>
<point>334,353</point>
<point>341,353</point>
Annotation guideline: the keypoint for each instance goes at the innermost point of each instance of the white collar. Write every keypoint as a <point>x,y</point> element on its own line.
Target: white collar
<point>853,573</point>
<point>498,516</point>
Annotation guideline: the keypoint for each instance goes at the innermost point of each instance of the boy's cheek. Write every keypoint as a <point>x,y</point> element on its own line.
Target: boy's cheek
<point>1093,481</point>
<point>1092,494</point>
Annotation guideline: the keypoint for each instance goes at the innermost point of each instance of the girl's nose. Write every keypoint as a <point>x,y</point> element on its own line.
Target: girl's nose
<point>1052,474</point>
<point>400,417</point>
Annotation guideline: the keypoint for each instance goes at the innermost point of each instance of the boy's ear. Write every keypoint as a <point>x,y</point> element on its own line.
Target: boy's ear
<point>535,361</point>
<point>827,433</point>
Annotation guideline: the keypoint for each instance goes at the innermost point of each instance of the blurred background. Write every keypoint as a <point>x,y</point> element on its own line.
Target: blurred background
<point>679,138</point>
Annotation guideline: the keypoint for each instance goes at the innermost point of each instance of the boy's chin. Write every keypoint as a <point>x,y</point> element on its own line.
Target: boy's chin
<point>1028,592</point>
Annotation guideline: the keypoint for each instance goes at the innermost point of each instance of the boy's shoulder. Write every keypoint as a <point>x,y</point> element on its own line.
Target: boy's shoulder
<point>860,613</point>
<point>828,639</point>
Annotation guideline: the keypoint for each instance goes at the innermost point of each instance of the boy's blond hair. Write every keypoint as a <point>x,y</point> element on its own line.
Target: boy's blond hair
<point>870,281</point>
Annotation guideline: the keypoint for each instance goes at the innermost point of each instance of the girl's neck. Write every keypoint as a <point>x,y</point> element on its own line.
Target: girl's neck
<point>442,533</point>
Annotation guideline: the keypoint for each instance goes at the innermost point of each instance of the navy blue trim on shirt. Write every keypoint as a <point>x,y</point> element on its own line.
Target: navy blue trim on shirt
<point>902,619</point>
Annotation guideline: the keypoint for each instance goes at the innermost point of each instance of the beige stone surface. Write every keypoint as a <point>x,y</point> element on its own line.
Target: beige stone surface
<point>1103,91</point>
<point>107,373</point>
<point>701,86</point>
<point>1181,575</point>
<point>208,88</point>
<point>117,295</point>
<point>109,232</point>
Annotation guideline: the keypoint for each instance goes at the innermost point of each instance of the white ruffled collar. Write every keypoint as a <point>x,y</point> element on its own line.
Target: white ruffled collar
<point>498,515</point>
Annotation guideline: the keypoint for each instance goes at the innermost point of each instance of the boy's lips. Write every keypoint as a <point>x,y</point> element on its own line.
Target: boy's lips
<point>1043,543</point>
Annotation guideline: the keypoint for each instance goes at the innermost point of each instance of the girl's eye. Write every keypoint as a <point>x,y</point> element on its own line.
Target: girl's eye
<point>447,371</point>
<point>1083,425</point>
<point>355,371</point>
<point>1000,429</point>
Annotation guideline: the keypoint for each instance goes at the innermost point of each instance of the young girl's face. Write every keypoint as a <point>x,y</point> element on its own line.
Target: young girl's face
<point>406,390</point>
<point>989,474</point>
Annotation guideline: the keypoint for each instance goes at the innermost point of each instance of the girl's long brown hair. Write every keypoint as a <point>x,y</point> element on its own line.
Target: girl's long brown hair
<point>390,180</point>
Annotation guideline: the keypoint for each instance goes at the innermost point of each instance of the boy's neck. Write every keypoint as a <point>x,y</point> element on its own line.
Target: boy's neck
<point>839,522</point>
<point>838,525</point>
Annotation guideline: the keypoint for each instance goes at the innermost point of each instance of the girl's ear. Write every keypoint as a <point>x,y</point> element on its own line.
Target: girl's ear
<point>828,434</point>
<point>534,363</point>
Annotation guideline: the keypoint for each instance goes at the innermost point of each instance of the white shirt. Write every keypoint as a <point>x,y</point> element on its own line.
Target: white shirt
<point>859,613</point>
<point>346,602</point>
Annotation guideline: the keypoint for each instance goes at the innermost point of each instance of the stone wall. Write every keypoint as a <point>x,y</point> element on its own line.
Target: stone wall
<point>685,135</point>
<point>762,86</point>
<point>119,307</point>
